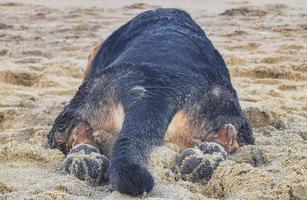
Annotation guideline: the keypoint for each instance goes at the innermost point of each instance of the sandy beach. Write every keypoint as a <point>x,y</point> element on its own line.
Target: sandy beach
<point>44,46</point>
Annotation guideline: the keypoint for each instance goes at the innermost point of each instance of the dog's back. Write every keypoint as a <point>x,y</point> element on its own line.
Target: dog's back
<point>162,37</point>
<point>156,75</point>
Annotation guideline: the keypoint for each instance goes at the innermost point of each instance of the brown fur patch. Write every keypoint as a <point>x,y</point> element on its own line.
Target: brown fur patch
<point>186,132</point>
<point>183,131</point>
<point>104,125</point>
<point>82,134</point>
<point>112,120</point>
<point>226,137</point>
<point>91,58</point>
<point>107,125</point>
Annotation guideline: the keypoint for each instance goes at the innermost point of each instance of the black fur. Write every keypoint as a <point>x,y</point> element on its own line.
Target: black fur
<point>155,65</point>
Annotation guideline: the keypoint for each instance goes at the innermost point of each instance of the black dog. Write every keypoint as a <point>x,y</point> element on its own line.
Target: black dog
<point>156,76</point>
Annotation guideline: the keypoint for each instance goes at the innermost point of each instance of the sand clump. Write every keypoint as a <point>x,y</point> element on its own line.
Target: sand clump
<point>30,153</point>
<point>5,189</point>
<point>43,54</point>
<point>20,77</point>
<point>263,116</point>
<point>244,11</point>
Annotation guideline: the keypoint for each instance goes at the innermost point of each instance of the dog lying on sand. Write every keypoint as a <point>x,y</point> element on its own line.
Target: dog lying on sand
<point>157,78</point>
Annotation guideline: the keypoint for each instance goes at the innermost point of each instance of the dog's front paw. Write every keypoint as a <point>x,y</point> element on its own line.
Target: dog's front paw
<point>198,164</point>
<point>130,178</point>
<point>194,166</point>
<point>86,163</point>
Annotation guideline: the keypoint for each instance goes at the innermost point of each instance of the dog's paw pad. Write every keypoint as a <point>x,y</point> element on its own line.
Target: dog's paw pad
<point>91,167</point>
<point>212,148</point>
<point>204,171</point>
<point>190,164</point>
<point>198,164</point>
<point>194,165</point>
<point>196,168</point>
<point>184,154</point>
<point>86,148</point>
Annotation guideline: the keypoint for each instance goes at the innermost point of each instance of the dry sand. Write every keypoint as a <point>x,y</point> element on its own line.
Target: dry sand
<point>43,52</point>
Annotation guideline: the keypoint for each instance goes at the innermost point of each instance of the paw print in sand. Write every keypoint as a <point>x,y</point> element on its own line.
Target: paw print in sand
<point>198,164</point>
<point>86,163</point>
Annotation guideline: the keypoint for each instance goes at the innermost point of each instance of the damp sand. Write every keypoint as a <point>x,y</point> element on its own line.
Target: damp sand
<point>43,54</point>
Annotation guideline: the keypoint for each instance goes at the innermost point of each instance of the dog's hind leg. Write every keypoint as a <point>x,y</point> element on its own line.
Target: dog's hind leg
<point>68,121</point>
<point>86,129</point>
<point>198,163</point>
<point>217,122</point>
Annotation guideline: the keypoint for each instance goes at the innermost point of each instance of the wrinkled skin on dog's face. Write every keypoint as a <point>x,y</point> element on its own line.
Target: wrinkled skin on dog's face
<point>157,78</point>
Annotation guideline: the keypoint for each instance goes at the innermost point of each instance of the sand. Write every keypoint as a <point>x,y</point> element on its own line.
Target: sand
<point>43,53</point>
